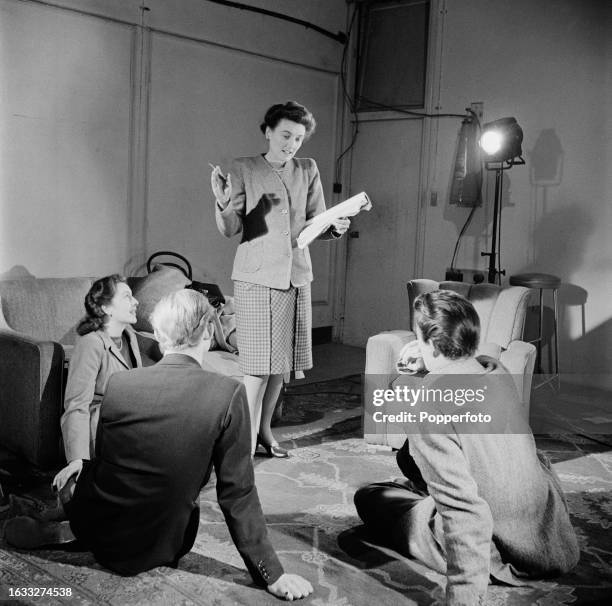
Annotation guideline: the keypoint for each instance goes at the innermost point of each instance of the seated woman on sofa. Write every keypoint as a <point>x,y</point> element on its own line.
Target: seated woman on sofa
<point>107,345</point>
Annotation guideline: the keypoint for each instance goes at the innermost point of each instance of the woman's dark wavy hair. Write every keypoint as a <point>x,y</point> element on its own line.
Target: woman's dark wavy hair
<point>449,321</point>
<point>101,293</point>
<point>289,111</point>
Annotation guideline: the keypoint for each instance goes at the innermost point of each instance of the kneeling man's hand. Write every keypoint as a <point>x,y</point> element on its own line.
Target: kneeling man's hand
<point>290,587</point>
<point>410,359</point>
<point>73,468</point>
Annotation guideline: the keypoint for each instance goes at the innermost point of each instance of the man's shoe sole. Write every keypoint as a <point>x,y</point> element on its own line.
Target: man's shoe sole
<point>27,533</point>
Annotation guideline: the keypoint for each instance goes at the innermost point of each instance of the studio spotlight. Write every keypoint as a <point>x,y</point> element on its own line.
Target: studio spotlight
<point>501,145</point>
<point>501,141</point>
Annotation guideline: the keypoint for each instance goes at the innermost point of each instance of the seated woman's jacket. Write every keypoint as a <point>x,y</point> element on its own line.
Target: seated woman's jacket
<point>94,360</point>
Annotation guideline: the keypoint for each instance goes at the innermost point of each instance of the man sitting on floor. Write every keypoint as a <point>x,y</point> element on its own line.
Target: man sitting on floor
<point>161,430</point>
<point>471,504</point>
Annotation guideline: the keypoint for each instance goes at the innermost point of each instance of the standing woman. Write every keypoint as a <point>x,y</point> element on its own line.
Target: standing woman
<point>107,344</point>
<point>268,199</point>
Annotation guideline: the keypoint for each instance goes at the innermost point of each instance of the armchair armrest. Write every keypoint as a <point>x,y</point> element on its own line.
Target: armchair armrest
<point>382,352</point>
<point>31,394</point>
<point>519,359</point>
<point>4,327</point>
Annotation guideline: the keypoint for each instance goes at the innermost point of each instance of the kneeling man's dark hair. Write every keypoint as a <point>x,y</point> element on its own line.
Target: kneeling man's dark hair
<point>449,321</point>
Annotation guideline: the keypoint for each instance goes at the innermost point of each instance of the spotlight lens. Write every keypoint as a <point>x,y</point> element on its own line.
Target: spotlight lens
<point>491,141</point>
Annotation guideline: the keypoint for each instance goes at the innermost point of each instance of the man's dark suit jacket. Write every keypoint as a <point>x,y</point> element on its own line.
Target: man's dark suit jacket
<point>161,430</point>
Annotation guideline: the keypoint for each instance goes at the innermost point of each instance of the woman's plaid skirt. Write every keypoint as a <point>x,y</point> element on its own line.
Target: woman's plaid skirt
<point>274,328</point>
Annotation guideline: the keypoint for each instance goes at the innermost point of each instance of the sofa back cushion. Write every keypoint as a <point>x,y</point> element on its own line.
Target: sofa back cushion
<point>48,309</point>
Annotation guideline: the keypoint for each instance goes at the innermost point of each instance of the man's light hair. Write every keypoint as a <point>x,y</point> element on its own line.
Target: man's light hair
<point>180,319</point>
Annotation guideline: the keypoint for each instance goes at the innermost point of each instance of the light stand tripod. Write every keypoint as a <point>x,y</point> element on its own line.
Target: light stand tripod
<point>495,273</point>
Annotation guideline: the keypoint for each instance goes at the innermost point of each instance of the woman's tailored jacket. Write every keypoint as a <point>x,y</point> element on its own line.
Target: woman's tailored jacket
<point>94,359</point>
<point>270,212</point>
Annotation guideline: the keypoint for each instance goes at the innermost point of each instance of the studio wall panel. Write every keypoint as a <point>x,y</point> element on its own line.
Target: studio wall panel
<point>64,141</point>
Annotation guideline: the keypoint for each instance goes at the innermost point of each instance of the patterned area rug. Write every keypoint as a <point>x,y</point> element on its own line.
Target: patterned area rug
<point>308,501</point>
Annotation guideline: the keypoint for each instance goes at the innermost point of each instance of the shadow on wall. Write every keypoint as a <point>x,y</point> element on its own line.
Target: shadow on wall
<point>589,355</point>
<point>17,272</point>
<point>559,244</point>
<point>545,162</point>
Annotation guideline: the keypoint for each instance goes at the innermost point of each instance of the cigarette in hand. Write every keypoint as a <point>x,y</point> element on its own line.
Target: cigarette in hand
<point>224,178</point>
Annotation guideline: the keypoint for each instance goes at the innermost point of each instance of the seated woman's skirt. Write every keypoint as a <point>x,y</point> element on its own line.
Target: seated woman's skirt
<point>274,328</point>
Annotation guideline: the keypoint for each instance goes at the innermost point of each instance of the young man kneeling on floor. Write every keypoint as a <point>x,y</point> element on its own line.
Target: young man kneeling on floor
<point>161,430</point>
<point>471,504</point>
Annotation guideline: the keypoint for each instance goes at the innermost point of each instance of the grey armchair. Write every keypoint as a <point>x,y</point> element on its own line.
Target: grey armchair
<point>37,332</point>
<point>502,316</point>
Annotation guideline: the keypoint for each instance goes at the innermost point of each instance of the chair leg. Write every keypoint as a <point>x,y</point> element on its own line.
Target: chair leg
<point>556,327</point>
<point>540,329</point>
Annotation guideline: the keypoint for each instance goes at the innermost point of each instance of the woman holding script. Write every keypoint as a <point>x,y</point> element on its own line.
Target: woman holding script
<point>269,199</point>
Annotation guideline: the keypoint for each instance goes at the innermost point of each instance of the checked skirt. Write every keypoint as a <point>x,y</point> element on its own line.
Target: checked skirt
<point>273,328</point>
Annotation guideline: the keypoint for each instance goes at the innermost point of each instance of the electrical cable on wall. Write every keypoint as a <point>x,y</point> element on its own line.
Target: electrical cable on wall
<point>351,106</point>
<point>409,112</point>
<point>340,37</point>
<point>465,226</point>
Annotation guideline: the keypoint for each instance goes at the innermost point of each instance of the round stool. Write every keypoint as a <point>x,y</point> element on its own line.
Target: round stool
<point>542,282</point>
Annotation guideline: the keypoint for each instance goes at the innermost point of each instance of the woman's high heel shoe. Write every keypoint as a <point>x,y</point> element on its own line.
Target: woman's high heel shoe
<point>273,450</point>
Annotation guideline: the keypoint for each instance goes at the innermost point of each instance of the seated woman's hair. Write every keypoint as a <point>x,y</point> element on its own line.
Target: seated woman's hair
<point>289,111</point>
<point>449,321</point>
<point>180,319</point>
<point>101,293</point>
